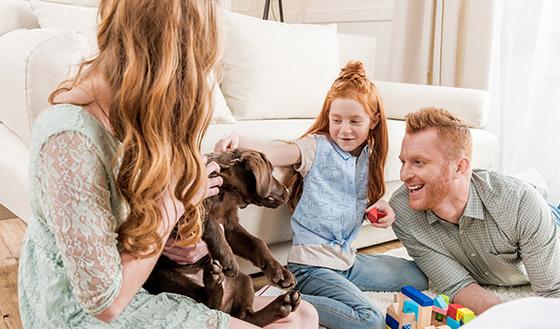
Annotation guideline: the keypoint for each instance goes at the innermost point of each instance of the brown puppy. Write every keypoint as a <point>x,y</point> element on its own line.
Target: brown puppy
<point>248,179</point>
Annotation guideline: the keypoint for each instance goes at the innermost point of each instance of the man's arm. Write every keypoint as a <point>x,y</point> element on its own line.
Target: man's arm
<point>476,298</point>
<point>539,244</point>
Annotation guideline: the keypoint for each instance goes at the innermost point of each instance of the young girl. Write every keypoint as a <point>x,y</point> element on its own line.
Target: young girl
<point>115,165</point>
<point>340,163</point>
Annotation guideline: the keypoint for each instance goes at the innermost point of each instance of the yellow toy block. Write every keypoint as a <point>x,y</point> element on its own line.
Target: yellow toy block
<point>465,315</point>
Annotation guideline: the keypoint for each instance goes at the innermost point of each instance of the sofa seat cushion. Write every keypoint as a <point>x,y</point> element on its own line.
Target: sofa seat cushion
<point>484,143</point>
<point>272,225</point>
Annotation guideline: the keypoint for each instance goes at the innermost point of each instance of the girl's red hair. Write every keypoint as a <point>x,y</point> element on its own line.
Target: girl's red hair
<point>352,83</point>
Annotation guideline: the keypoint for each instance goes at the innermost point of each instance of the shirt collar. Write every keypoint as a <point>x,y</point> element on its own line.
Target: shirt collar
<point>474,208</point>
<point>343,154</point>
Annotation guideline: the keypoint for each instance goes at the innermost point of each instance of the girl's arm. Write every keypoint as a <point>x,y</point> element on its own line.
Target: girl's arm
<point>280,154</point>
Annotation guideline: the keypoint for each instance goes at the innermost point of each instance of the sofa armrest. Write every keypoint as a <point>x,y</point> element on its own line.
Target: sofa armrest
<point>402,98</point>
<point>33,63</point>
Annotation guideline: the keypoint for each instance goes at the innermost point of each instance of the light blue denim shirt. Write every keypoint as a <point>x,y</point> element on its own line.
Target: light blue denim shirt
<point>332,205</point>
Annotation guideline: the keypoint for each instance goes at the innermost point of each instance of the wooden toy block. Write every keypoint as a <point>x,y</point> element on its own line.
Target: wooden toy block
<point>374,215</point>
<point>394,311</point>
<point>406,326</point>
<point>439,317</point>
<point>410,306</point>
<point>452,311</point>
<point>424,316</point>
<point>465,315</point>
<point>439,310</point>
<point>399,298</point>
<point>446,298</point>
<point>408,318</point>
<point>452,323</point>
<point>417,296</point>
<point>391,322</point>
<point>440,302</point>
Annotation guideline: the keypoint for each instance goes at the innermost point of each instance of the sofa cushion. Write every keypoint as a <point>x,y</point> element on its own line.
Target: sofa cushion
<point>273,224</point>
<point>402,98</point>
<point>16,14</point>
<point>66,16</point>
<point>37,62</point>
<point>274,70</point>
<point>289,129</point>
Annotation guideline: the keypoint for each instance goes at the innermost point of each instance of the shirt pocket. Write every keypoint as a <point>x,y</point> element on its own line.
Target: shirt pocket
<point>506,268</point>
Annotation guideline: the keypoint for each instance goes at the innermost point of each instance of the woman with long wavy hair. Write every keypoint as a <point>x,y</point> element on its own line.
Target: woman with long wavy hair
<point>115,165</point>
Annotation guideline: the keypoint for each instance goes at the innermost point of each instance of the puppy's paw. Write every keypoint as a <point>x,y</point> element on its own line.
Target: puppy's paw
<point>279,308</point>
<point>289,302</point>
<point>279,275</point>
<point>230,267</point>
<point>213,274</point>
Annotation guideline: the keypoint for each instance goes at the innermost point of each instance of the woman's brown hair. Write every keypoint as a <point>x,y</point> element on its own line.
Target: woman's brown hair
<point>156,57</point>
<point>352,83</point>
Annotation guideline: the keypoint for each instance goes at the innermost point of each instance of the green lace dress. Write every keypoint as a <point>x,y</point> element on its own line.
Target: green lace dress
<point>70,266</point>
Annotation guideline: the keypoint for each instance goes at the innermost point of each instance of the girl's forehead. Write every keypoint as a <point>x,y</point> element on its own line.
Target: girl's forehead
<point>347,107</point>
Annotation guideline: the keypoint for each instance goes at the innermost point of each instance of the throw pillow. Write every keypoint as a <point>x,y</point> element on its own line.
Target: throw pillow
<point>275,70</point>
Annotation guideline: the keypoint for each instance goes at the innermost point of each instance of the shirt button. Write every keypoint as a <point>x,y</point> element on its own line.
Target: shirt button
<point>486,273</point>
<point>473,254</point>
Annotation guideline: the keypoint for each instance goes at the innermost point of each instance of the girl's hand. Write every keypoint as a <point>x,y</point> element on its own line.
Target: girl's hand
<point>383,206</point>
<point>229,142</point>
<point>185,255</point>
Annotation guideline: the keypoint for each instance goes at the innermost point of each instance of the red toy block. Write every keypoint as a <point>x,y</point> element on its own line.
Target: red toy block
<point>452,311</point>
<point>375,214</point>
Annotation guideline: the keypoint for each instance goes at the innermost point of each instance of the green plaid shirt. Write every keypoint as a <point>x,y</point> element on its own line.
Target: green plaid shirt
<point>506,237</point>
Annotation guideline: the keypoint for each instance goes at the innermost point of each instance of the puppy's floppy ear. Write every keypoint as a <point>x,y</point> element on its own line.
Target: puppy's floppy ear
<point>256,163</point>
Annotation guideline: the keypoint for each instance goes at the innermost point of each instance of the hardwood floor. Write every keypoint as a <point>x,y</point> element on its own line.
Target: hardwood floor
<point>11,236</point>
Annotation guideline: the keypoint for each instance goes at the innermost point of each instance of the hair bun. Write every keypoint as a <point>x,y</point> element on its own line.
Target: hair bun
<point>353,70</point>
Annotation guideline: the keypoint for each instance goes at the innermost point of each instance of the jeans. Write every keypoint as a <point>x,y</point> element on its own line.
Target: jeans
<point>556,213</point>
<point>338,297</point>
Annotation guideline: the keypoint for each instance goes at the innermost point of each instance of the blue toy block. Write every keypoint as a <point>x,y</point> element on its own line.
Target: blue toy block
<point>406,326</point>
<point>452,323</point>
<point>417,296</point>
<point>410,306</point>
<point>440,302</point>
<point>391,322</point>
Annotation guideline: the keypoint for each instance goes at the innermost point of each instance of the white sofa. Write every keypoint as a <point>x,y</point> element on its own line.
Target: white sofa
<point>274,79</point>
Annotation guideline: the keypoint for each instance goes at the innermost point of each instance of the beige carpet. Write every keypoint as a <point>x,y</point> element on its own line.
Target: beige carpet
<point>382,299</point>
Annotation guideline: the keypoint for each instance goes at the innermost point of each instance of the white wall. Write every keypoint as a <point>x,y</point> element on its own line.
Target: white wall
<point>371,17</point>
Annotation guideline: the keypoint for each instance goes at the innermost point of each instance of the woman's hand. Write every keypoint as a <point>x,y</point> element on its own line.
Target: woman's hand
<point>212,187</point>
<point>229,142</point>
<point>383,206</point>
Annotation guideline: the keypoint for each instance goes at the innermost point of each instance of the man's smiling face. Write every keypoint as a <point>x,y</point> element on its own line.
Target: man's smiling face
<point>425,169</point>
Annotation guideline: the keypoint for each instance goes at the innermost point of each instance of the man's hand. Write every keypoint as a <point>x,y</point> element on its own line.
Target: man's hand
<point>476,298</point>
<point>383,206</point>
